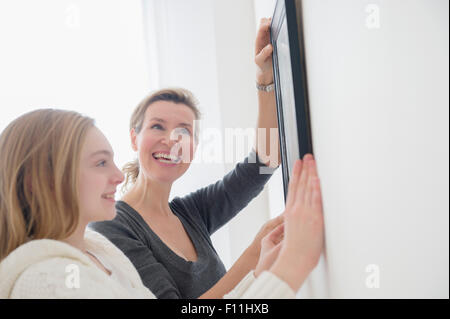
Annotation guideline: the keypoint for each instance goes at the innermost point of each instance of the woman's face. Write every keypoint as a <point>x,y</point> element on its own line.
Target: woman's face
<point>98,178</point>
<point>165,144</point>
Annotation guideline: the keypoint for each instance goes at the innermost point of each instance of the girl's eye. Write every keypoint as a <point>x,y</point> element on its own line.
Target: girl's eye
<point>101,164</point>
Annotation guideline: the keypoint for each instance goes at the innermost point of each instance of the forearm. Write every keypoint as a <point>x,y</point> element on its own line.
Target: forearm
<point>246,262</point>
<point>267,145</point>
<point>267,141</point>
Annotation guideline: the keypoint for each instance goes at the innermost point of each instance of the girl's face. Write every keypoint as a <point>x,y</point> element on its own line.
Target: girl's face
<point>98,178</point>
<point>165,144</point>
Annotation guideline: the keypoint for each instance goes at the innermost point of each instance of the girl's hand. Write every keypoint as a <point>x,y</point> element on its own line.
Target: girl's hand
<point>303,226</point>
<point>303,215</point>
<point>263,53</point>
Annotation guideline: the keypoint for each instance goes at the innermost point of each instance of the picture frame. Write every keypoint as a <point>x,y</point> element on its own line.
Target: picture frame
<point>291,90</point>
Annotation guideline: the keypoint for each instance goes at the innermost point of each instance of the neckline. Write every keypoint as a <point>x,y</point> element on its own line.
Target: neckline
<point>102,262</point>
<point>193,239</point>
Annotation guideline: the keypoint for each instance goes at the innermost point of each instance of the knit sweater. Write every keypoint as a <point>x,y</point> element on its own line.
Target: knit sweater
<point>45,268</point>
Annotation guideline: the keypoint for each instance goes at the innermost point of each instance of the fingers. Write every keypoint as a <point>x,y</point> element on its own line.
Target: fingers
<point>316,201</point>
<point>315,193</point>
<point>277,220</point>
<point>301,188</point>
<point>264,25</point>
<point>265,54</point>
<point>277,234</point>
<point>274,237</point>
<point>313,179</point>
<point>293,183</point>
<point>263,35</point>
<point>271,224</point>
<point>277,248</point>
<point>304,186</point>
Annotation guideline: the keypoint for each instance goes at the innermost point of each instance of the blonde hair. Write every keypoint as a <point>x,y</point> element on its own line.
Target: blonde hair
<point>175,95</point>
<point>39,161</point>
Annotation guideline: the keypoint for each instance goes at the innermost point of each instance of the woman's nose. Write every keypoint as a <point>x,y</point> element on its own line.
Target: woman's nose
<point>169,140</point>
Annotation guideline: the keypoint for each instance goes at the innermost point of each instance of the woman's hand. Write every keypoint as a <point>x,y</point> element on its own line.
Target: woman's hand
<point>303,227</point>
<point>270,248</point>
<point>266,229</point>
<point>263,53</point>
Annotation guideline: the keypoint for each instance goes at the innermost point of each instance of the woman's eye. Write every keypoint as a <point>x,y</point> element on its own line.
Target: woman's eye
<point>157,126</point>
<point>182,130</point>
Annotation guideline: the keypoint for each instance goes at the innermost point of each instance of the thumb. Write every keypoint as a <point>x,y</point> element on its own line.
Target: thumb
<point>276,249</point>
<point>275,222</point>
<point>276,235</point>
<point>264,54</point>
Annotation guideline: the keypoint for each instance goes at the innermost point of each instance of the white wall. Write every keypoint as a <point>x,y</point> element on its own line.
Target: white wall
<point>379,110</point>
<point>265,9</point>
<point>378,85</point>
<point>235,39</point>
<point>80,55</point>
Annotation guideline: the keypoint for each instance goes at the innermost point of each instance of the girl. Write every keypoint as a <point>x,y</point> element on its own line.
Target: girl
<point>57,175</point>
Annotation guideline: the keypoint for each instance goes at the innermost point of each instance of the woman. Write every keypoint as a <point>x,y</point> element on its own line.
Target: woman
<point>57,174</point>
<point>169,242</point>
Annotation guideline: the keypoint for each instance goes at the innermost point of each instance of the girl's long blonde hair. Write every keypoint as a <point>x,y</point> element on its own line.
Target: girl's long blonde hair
<point>39,161</point>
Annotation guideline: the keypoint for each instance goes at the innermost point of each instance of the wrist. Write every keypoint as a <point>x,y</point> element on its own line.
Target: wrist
<point>266,88</point>
<point>252,253</point>
<point>264,79</point>
<point>293,275</point>
<point>257,272</point>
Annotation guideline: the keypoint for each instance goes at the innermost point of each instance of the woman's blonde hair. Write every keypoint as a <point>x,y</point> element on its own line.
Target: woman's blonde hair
<point>175,95</point>
<point>39,161</point>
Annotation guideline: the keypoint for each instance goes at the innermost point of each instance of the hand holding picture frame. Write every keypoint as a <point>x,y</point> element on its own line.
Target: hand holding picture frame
<point>290,85</point>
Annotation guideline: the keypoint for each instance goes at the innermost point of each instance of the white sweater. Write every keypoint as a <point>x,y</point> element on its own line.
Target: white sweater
<point>48,268</point>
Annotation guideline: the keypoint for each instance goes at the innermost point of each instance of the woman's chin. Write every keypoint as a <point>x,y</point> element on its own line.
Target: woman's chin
<point>166,176</point>
<point>165,179</point>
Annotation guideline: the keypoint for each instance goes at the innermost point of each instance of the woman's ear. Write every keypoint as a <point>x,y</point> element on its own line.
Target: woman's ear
<point>133,137</point>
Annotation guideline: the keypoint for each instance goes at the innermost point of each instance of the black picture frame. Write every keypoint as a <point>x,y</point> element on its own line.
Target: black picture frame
<point>289,68</point>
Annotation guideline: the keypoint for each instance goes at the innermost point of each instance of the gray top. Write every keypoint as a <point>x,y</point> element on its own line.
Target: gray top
<point>166,274</point>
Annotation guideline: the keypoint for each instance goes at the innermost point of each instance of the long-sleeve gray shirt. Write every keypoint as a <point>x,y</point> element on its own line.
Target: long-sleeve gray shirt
<point>202,212</point>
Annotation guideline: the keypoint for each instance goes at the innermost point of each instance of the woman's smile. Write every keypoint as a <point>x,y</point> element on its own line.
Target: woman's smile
<point>166,159</point>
